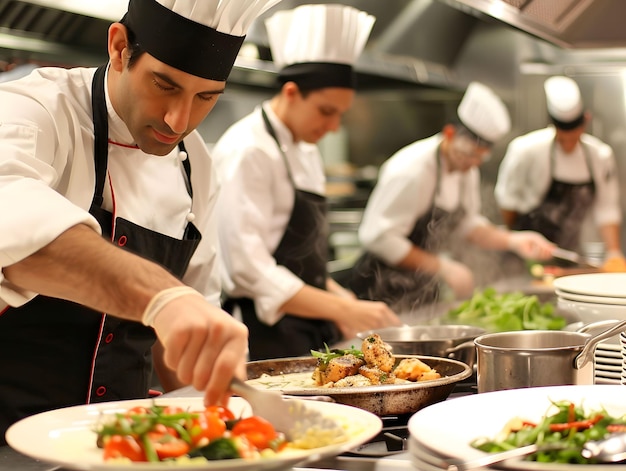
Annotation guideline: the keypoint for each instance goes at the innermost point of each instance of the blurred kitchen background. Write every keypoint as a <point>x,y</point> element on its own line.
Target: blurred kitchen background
<point>420,56</point>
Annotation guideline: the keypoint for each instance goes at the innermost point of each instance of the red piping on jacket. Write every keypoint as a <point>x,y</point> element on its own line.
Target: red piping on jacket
<point>128,146</point>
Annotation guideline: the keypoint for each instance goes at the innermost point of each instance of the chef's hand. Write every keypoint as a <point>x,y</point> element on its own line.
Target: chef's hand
<point>530,245</point>
<point>363,315</point>
<point>203,344</point>
<point>457,276</point>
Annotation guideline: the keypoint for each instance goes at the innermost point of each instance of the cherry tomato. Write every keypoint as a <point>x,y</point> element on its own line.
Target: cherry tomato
<point>223,412</point>
<point>167,445</point>
<point>172,410</point>
<point>208,425</point>
<point>257,430</point>
<point>118,446</point>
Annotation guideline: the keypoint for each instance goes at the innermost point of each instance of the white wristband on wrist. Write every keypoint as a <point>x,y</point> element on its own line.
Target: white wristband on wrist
<point>160,299</point>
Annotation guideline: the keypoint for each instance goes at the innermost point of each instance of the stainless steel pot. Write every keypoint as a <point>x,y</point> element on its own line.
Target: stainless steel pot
<point>448,341</point>
<point>508,360</point>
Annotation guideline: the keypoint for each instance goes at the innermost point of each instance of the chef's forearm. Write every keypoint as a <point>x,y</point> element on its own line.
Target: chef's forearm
<point>82,267</point>
<point>489,237</point>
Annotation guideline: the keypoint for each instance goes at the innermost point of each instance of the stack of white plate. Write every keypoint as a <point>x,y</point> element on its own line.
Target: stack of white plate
<point>597,297</point>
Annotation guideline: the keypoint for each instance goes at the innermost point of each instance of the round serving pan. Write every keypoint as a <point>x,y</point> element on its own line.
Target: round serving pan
<point>388,399</point>
<point>448,341</point>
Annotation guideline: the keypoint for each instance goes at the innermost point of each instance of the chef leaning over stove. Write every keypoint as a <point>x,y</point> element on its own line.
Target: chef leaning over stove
<point>272,209</point>
<point>427,194</point>
<point>107,197</point>
<point>550,179</point>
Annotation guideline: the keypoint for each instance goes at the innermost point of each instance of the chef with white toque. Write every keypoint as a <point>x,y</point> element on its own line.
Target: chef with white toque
<point>272,208</point>
<point>428,195</point>
<point>550,179</point>
<point>107,196</point>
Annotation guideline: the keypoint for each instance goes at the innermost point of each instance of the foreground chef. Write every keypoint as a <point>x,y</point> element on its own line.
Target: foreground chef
<point>272,219</point>
<point>427,194</point>
<point>550,179</point>
<point>100,206</point>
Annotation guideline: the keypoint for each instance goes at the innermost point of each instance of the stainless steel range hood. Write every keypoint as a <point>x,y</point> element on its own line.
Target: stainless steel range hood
<point>408,46</point>
<point>414,43</point>
<point>572,24</point>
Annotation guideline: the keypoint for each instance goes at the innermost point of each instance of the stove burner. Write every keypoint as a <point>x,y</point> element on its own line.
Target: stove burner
<point>392,439</point>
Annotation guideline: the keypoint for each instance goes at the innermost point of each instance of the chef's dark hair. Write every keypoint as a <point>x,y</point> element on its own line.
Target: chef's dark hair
<point>311,76</point>
<point>134,47</point>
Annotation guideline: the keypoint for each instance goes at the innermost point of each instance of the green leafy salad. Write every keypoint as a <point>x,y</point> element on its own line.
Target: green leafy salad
<point>570,426</point>
<point>501,312</point>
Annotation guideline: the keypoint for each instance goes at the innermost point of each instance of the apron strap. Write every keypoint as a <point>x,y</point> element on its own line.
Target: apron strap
<point>101,132</point>
<point>270,129</point>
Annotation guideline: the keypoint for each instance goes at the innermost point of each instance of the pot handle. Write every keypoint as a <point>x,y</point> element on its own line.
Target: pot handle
<point>461,346</point>
<point>584,356</point>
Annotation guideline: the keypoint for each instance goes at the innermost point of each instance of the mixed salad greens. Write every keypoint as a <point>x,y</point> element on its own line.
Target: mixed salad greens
<point>570,426</point>
<point>501,312</point>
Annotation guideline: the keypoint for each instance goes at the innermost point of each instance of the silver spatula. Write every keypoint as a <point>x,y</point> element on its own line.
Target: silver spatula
<point>290,416</point>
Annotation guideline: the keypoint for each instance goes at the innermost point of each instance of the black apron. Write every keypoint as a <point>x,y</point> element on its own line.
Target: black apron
<point>55,353</point>
<point>559,217</point>
<point>303,250</point>
<point>403,289</point>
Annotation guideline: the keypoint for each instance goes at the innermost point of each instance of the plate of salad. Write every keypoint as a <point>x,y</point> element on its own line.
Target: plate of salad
<point>471,426</point>
<point>182,434</point>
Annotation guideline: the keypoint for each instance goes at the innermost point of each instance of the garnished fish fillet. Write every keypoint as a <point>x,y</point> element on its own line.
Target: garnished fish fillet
<point>337,368</point>
<point>376,354</point>
<point>376,375</point>
<point>414,369</point>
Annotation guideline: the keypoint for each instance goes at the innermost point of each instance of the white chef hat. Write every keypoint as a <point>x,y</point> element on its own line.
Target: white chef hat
<point>200,37</point>
<point>565,105</point>
<point>316,46</point>
<point>483,113</point>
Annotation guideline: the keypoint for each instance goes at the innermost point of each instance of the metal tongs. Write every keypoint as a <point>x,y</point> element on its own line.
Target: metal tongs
<point>571,256</point>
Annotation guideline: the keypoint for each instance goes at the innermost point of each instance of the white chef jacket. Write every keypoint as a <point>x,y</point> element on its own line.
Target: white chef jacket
<point>525,173</point>
<point>47,177</point>
<point>255,204</point>
<point>404,193</point>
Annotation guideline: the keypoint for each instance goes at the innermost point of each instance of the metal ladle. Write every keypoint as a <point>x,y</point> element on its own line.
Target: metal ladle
<point>607,450</point>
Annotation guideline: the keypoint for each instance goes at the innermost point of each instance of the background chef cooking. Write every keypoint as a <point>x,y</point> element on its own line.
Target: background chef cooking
<point>551,178</point>
<point>89,157</point>
<point>426,193</point>
<point>272,209</point>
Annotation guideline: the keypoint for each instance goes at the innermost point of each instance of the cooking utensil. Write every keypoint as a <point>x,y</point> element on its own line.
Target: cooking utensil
<point>448,341</point>
<point>290,416</point>
<point>387,399</point>
<point>607,450</point>
<point>493,458</point>
<point>574,257</point>
<point>520,359</point>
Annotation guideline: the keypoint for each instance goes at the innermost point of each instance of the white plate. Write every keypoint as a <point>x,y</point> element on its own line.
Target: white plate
<point>608,348</point>
<point>607,381</point>
<point>448,427</point>
<point>584,298</point>
<point>609,374</point>
<point>602,362</point>
<point>594,284</point>
<point>65,436</point>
